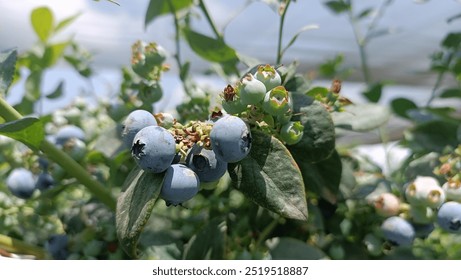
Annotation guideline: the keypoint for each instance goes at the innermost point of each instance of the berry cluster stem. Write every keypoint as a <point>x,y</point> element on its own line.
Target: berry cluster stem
<point>18,246</point>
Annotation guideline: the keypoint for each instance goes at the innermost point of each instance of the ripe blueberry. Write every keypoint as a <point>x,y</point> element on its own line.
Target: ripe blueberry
<point>205,164</point>
<point>449,216</point>
<point>21,183</point>
<point>398,231</point>
<point>57,246</point>
<point>68,132</point>
<point>179,185</point>
<point>154,149</point>
<point>44,181</point>
<point>230,139</point>
<point>133,123</point>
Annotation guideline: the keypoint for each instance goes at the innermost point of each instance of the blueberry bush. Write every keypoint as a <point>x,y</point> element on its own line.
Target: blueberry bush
<point>252,171</point>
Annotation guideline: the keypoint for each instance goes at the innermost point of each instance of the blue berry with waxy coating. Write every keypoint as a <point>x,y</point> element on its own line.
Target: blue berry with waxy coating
<point>230,139</point>
<point>68,132</point>
<point>154,149</point>
<point>398,231</point>
<point>179,185</point>
<point>449,216</point>
<point>21,183</point>
<point>204,162</point>
<point>44,181</point>
<point>133,123</point>
<point>57,246</point>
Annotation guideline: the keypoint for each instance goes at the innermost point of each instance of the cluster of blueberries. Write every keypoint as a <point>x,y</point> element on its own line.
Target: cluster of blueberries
<point>22,182</point>
<point>157,146</point>
<point>427,202</point>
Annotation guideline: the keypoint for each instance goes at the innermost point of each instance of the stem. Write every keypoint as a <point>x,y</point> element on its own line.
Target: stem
<point>266,231</point>
<point>279,43</point>
<point>21,247</point>
<point>209,19</point>
<point>64,160</point>
<point>361,43</point>
<point>437,84</point>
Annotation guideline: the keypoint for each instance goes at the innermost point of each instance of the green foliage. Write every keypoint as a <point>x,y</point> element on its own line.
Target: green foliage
<point>26,130</point>
<point>7,66</point>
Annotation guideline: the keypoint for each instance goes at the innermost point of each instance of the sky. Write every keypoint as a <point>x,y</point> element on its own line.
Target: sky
<point>108,31</point>
<point>251,27</point>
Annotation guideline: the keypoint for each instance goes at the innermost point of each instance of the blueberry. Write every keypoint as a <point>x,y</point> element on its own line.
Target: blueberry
<point>179,185</point>
<point>292,132</point>
<point>21,183</point>
<point>425,191</point>
<point>230,139</point>
<point>154,149</point>
<point>44,181</point>
<point>57,246</point>
<point>387,204</point>
<point>133,123</point>
<point>205,164</point>
<point>449,216</point>
<point>277,101</point>
<point>68,132</point>
<point>452,190</point>
<point>268,76</point>
<point>398,231</point>
<point>231,100</point>
<point>251,90</point>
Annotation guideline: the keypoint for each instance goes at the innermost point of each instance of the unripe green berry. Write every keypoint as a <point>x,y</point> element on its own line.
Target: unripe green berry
<point>292,132</point>
<point>276,101</point>
<point>251,90</point>
<point>268,76</point>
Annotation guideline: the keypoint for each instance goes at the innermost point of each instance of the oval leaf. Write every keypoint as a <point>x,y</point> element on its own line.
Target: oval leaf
<point>42,22</point>
<point>270,177</point>
<point>134,206</point>
<point>211,49</point>
<point>161,7</point>
<point>27,130</point>
<point>318,140</point>
<point>361,117</point>
<point>7,66</point>
<point>287,248</point>
<point>400,106</point>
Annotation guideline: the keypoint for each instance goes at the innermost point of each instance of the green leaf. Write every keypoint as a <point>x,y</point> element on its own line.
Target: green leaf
<point>400,106</point>
<point>361,117</point>
<point>208,48</point>
<point>209,243</point>
<point>27,130</point>
<point>452,40</point>
<point>134,206</point>
<point>318,140</point>
<point>32,86</point>
<point>322,178</point>
<point>66,22</point>
<point>374,92</point>
<point>157,8</point>
<point>7,67</point>
<point>57,92</point>
<point>270,177</point>
<point>295,37</point>
<point>53,53</point>
<point>42,22</point>
<point>338,7</point>
<point>317,91</point>
<point>287,248</point>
